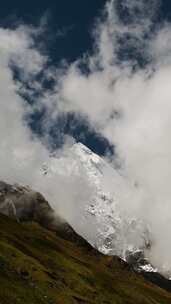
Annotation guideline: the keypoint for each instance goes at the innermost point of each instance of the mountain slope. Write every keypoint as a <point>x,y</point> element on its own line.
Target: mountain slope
<point>101,209</point>
<point>42,267</point>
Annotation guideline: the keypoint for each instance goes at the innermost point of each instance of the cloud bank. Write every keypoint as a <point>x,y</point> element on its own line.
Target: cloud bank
<point>125,95</point>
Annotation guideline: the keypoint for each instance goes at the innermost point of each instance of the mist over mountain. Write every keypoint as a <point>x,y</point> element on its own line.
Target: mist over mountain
<point>114,98</point>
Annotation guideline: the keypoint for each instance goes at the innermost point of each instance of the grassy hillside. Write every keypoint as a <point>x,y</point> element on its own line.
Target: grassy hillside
<point>39,267</point>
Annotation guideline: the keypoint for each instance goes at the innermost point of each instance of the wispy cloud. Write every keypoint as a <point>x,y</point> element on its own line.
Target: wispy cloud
<point>125,101</point>
<point>129,103</point>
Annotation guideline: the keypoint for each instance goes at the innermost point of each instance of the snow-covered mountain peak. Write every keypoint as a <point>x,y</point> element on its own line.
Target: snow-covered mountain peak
<point>87,158</point>
<point>94,197</point>
<point>85,153</point>
<point>76,159</point>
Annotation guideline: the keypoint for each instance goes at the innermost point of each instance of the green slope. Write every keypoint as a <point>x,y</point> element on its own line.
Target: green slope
<point>39,267</point>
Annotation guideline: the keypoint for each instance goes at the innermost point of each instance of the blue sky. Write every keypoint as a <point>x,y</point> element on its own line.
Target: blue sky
<point>68,36</point>
<point>74,18</point>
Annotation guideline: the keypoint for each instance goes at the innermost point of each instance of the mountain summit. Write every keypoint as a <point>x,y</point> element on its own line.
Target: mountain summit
<point>101,194</point>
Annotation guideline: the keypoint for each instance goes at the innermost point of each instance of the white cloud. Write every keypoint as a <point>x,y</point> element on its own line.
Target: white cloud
<point>132,108</point>
<point>20,153</point>
<point>128,105</point>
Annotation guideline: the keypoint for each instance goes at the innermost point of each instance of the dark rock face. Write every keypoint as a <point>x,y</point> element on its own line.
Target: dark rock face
<point>136,259</point>
<point>25,204</point>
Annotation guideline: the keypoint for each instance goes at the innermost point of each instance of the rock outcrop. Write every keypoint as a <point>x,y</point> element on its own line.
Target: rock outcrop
<point>26,205</point>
